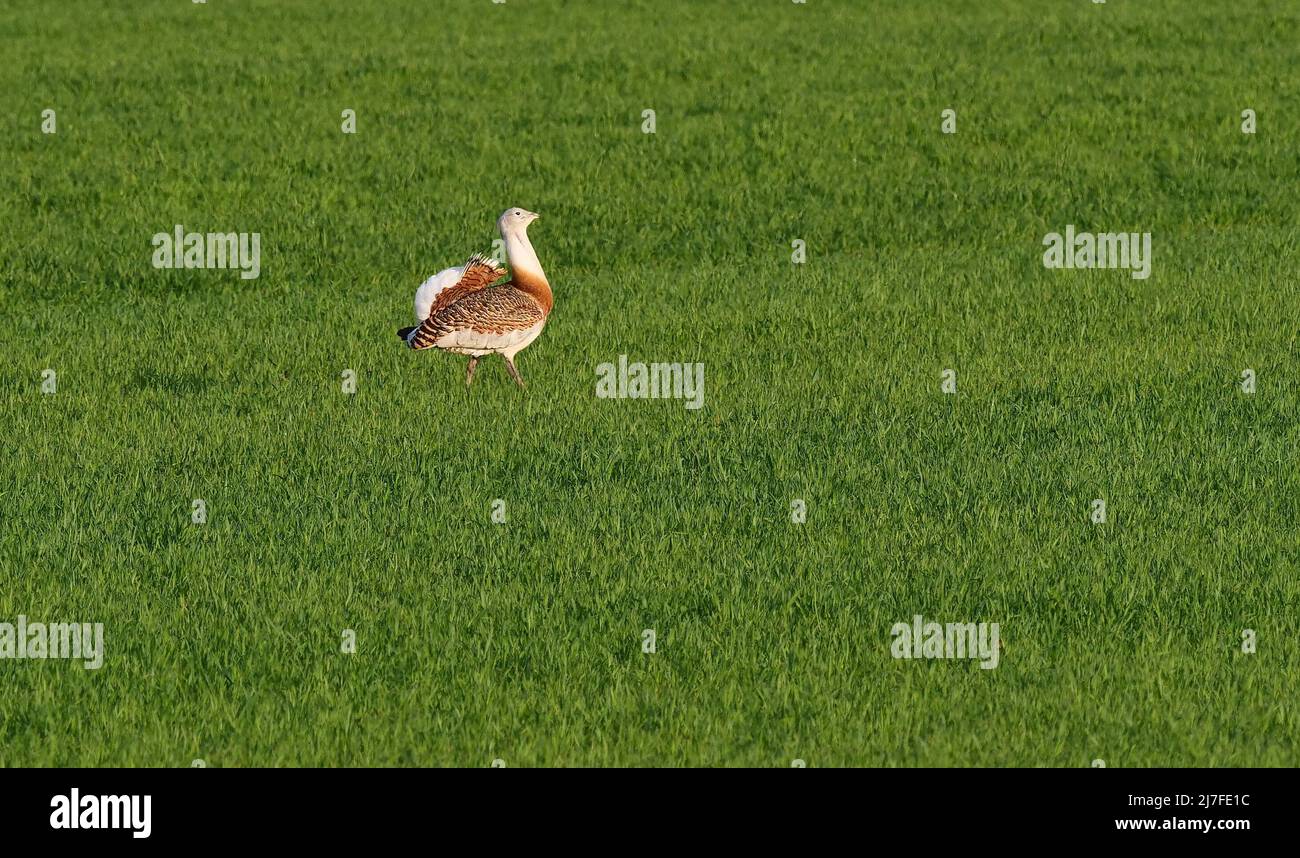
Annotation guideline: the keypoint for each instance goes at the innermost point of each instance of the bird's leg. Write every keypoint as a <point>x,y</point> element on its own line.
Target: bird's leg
<point>514,373</point>
<point>469,373</point>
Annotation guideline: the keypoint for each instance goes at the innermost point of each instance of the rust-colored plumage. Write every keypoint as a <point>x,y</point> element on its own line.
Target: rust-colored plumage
<point>480,272</point>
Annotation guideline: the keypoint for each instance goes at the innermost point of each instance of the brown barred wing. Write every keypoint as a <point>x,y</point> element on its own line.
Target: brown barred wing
<point>496,310</point>
<point>480,272</point>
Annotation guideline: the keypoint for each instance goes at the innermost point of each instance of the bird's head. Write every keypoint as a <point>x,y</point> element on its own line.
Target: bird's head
<point>515,220</point>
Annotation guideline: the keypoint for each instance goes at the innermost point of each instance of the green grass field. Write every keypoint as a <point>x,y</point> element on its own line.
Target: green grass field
<point>775,121</point>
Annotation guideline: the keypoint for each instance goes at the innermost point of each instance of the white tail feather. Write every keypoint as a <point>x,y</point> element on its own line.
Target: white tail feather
<point>429,289</point>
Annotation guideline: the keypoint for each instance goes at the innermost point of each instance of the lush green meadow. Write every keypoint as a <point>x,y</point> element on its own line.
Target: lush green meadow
<point>775,121</point>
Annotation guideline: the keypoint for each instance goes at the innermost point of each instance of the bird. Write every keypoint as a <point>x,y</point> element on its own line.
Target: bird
<point>459,310</point>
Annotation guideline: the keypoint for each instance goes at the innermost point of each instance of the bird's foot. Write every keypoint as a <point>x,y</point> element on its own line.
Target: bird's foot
<point>469,373</point>
<point>514,373</point>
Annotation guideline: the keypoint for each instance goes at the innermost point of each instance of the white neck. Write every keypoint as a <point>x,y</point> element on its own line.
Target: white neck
<point>523,259</point>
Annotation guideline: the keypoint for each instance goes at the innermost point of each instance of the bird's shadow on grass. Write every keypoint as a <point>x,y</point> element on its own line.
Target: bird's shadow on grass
<point>145,378</point>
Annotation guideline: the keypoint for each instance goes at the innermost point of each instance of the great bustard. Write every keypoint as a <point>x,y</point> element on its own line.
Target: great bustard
<point>460,311</point>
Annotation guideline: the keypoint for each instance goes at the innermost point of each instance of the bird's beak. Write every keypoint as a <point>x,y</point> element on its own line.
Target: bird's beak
<point>534,216</point>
